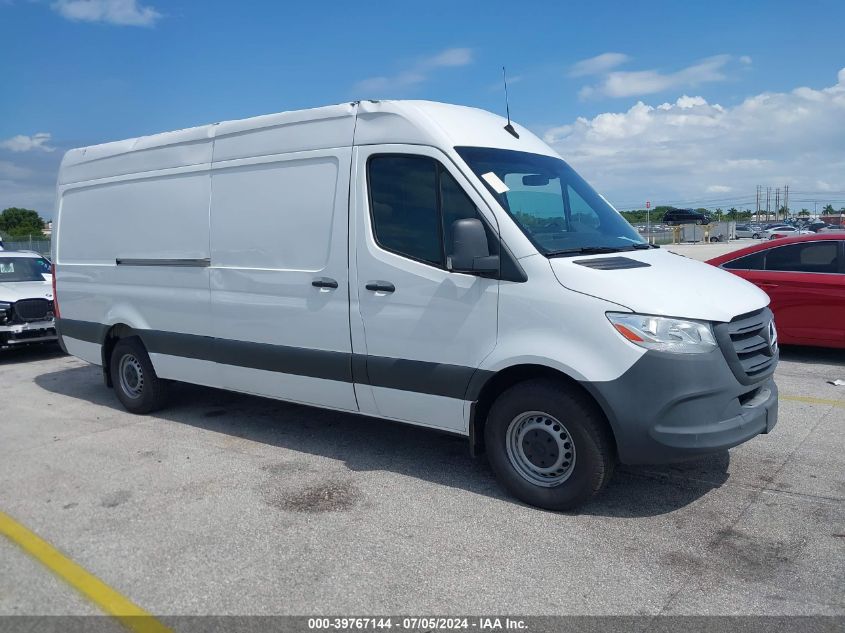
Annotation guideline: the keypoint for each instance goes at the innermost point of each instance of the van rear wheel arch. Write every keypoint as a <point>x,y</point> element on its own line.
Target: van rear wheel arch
<point>112,336</point>
<point>134,378</point>
<point>510,376</point>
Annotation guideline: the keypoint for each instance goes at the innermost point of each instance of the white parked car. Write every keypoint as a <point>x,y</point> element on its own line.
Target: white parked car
<point>420,262</point>
<point>26,299</point>
<point>784,231</point>
<point>832,229</point>
<point>748,230</point>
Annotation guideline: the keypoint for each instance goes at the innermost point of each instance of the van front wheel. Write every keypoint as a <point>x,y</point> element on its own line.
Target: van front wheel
<point>548,446</point>
<point>135,382</point>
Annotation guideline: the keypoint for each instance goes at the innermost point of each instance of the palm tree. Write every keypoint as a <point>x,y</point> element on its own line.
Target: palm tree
<point>828,210</point>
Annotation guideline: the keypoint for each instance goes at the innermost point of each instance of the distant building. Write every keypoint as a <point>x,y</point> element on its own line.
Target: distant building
<point>837,219</point>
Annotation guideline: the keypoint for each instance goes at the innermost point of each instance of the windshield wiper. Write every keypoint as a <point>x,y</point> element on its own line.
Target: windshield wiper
<point>584,250</point>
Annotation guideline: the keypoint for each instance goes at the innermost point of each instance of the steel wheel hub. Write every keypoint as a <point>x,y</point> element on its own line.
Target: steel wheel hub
<point>131,376</point>
<point>540,448</point>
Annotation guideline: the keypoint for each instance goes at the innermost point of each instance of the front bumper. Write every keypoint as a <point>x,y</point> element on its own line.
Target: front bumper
<point>24,333</point>
<point>669,407</point>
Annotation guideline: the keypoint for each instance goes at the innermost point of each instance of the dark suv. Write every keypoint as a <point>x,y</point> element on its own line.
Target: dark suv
<point>685,216</point>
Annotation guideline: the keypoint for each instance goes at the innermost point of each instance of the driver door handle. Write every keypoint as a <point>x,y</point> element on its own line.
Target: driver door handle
<point>380,286</point>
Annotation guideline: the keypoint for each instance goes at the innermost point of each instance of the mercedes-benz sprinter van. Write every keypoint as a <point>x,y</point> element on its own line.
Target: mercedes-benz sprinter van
<point>417,262</point>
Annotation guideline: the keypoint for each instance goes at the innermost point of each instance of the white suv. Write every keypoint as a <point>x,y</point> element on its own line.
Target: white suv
<point>26,299</point>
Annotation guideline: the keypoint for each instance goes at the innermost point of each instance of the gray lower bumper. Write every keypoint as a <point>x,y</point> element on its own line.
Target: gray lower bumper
<point>670,407</point>
<point>24,333</point>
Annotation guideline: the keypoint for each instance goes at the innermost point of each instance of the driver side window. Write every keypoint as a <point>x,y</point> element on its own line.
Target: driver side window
<point>414,203</point>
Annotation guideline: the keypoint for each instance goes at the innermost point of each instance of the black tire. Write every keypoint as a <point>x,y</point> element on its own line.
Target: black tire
<point>594,456</point>
<point>150,393</point>
<point>756,236</point>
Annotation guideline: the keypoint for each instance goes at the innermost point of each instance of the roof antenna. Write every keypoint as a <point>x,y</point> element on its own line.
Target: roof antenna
<point>508,128</point>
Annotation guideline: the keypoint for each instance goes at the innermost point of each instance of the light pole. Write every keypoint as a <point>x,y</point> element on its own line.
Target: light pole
<point>648,220</point>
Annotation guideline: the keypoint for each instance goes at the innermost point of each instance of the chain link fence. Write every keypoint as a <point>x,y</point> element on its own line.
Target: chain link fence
<point>37,243</point>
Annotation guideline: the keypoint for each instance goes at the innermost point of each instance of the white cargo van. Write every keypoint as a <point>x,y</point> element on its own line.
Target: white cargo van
<point>413,261</point>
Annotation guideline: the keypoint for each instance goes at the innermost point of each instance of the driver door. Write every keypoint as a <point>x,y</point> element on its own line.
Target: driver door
<point>421,330</point>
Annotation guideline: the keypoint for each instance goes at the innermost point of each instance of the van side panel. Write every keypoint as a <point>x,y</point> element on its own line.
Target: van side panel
<point>149,222</point>
<point>154,217</point>
<point>278,223</point>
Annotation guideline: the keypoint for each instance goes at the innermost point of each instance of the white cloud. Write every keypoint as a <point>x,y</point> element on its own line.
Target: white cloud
<point>693,150</point>
<point>28,166</point>
<point>598,64</point>
<point>23,143</point>
<point>622,83</point>
<point>120,12</point>
<point>449,57</point>
<point>417,73</point>
<point>10,171</point>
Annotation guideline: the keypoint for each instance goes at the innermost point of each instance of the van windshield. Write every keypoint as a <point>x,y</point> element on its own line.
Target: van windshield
<point>555,208</point>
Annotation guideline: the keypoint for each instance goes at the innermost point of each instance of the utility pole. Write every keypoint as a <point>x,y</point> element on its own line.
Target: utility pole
<point>777,204</point>
<point>768,199</point>
<point>786,200</point>
<point>758,204</point>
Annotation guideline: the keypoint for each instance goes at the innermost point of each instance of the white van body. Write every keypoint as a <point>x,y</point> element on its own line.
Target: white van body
<point>239,253</point>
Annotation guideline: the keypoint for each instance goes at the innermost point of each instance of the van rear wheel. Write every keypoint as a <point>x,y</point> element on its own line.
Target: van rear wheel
<point>548,445</point>
<point>134,379</point>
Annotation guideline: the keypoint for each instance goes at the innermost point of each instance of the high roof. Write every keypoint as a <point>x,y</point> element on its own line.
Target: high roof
<point>370,122</point>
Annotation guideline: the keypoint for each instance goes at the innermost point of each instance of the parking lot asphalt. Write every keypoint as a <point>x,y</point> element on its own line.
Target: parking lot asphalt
<point>231,504</point>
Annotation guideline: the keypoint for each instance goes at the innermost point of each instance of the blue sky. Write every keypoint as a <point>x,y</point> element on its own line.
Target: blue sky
<point>88,71</point>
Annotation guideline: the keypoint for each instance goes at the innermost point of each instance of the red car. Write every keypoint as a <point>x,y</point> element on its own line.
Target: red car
<point>805,278</point>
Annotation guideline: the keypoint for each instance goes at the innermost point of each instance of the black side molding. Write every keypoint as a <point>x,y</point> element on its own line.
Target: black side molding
<point>182,263</point>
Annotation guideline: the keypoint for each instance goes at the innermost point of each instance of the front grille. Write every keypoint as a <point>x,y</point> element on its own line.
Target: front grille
<point>748,347</point>
<point>32,309</point>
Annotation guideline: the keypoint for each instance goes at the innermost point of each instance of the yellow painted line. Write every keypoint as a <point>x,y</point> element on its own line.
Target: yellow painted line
<point>808,400</point>
<point>110,601</point>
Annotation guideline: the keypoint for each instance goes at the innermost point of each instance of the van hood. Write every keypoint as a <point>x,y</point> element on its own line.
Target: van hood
<point>662,283</point>
<point>16,290</point>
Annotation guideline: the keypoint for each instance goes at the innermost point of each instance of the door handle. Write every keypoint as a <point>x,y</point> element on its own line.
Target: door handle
<point>766,285</point>
<point>324,282</point>
<point>380,286</point>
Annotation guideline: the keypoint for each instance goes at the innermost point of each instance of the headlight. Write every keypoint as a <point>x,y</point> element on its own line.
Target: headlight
<point>664,334</point>
<point>5,308</point>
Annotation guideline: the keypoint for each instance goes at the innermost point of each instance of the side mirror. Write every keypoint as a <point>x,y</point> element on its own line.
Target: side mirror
<point>470,252</point>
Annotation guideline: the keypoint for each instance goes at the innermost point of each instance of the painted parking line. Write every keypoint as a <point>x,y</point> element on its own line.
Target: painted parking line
<point>110,601</point>
<point>808,400</point>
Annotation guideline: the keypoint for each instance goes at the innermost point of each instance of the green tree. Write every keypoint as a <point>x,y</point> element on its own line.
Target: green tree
<point>828,210</point>
<point>804,212</point>
<point>15,222</point>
